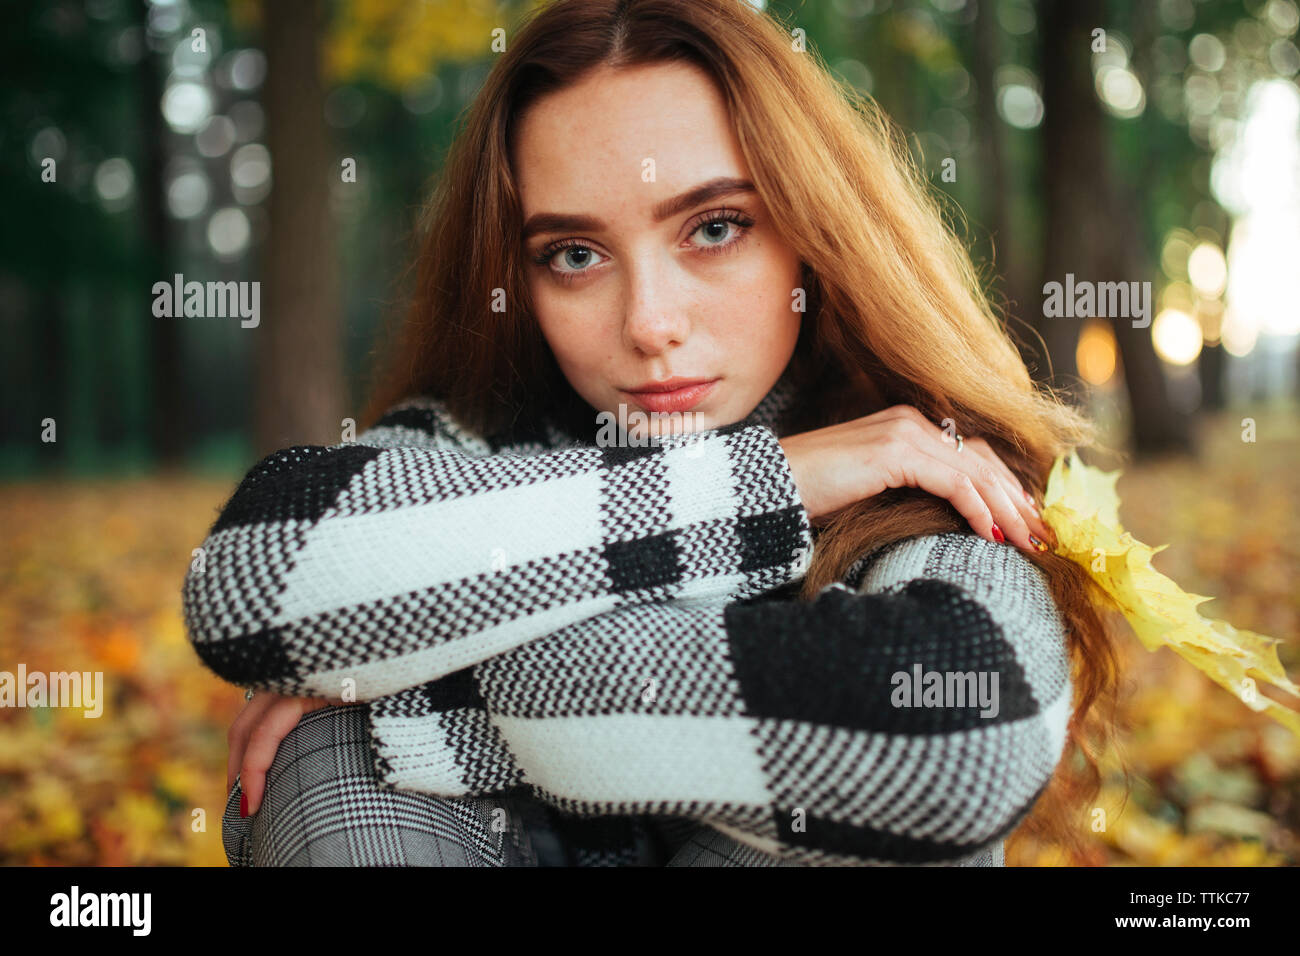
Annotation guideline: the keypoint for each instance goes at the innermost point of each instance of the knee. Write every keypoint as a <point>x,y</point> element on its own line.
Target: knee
<point>323,760</point>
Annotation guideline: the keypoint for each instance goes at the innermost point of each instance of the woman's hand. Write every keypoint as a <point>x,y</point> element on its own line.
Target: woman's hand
<point>255,736</point>
<point>899,447</point>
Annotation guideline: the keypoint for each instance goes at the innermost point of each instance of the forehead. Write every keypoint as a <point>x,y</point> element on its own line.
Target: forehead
<point>587,146</point>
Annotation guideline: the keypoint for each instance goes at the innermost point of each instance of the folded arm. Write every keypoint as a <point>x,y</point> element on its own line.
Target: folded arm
<point>365,569</point>
<point>823,731</point>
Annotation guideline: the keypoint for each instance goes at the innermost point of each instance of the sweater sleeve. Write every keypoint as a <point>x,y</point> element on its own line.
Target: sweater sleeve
<point>371,567</point>
<point>912,713</point>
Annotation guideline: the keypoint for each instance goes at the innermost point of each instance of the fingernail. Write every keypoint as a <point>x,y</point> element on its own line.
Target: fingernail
<point>998,536</point>
<point>243,804</point>
<point>1040,545</point>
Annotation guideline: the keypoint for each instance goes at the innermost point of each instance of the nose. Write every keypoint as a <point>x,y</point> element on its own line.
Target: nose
<point>655,319</point>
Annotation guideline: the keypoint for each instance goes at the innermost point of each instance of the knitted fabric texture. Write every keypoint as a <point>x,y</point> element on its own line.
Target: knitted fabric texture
<point>614,632</point>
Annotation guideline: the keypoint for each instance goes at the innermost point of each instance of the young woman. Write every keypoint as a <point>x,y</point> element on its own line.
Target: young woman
<point>813,619</point>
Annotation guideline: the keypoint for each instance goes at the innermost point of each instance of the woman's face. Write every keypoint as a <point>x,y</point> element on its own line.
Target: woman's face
<point>648,255</point>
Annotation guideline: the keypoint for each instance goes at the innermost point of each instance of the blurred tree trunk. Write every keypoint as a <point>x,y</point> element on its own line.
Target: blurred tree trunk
<point>1211,365</point>
<point>299,381</point>
<point>49,312</point>
<point>1091,222</point>
<point>1004,250</point>
<point>166,396</point>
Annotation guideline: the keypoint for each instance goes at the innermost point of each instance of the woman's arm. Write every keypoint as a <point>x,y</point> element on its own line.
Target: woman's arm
<point>798,727</point>
<point>360,570</point>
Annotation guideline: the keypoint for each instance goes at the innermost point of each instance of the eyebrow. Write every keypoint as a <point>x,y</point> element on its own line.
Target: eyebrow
<point>713,189</point>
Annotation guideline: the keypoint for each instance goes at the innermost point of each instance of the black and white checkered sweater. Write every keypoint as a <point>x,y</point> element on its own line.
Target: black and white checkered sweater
<point>613,632</point>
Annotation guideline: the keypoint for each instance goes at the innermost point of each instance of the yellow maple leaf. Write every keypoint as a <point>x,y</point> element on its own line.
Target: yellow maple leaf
<point>1082,507</point>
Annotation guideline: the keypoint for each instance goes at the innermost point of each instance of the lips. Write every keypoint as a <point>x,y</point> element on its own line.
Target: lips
<point>672,395</point>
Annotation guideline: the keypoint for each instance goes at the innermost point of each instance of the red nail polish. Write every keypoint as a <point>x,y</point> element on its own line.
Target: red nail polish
<point>997,535</point>
<point>243,804</point>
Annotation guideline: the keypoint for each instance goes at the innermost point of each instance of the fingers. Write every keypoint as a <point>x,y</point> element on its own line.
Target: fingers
<point>1004,496</point>
<point>981,448</point>
<point>1023,500</point>
<point>941,479</point>
<point>237,736</point>
<point>273,725</point>
<point>1011,515</point>
<point>263,743</point>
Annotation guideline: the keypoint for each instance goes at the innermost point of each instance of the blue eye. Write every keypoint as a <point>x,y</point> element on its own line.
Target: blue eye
<point>579,257</point>
<point>729,238</point>
<point>581,251</point>
<point>715,223</point>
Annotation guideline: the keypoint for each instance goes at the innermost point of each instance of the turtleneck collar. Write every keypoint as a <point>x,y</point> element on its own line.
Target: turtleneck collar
<point>773,406</point>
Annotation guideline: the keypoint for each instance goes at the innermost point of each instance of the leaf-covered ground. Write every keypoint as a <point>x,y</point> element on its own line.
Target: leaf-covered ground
<point>1212,782</point>
<point>90,580</point>
<point>91,576</point>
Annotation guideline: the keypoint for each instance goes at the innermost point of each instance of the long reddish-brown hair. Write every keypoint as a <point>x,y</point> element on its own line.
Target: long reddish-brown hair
<point>895,309</point>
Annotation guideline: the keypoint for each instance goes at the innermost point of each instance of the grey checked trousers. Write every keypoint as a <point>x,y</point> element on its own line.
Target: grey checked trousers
<point>325,806</point>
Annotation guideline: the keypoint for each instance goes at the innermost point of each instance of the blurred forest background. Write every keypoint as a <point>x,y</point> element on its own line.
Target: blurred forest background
<point>144,139</point>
